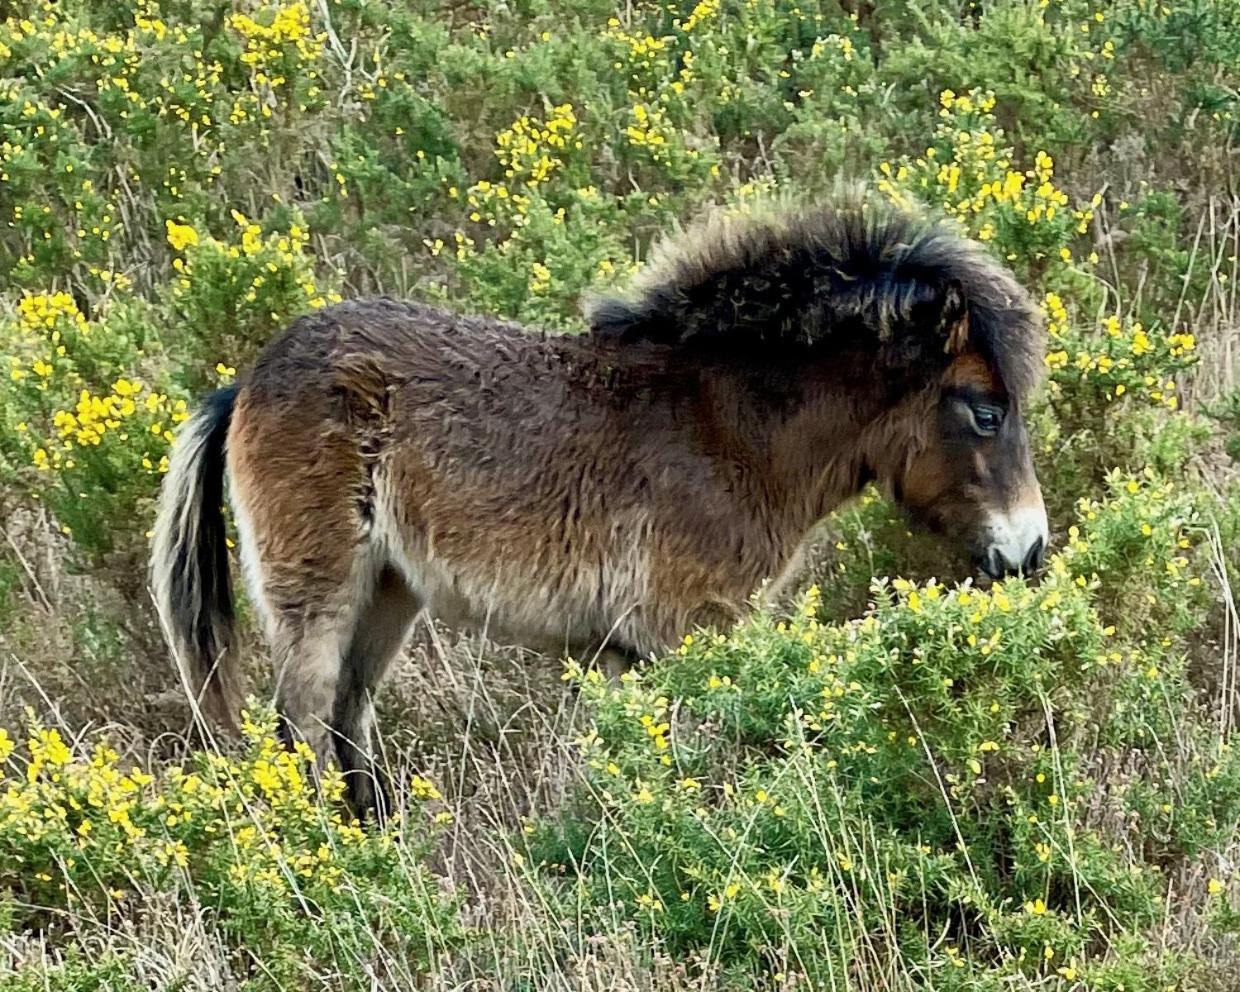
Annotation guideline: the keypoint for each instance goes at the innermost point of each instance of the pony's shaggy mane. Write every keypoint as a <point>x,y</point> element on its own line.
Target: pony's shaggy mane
<point>847,274</point>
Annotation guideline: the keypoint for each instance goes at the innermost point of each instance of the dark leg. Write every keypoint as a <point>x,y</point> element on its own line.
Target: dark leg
<point>614,662</point>
<point>382,628</point>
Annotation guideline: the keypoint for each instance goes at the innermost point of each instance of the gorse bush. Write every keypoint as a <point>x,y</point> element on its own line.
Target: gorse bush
<point>898,781</point>
<point>291,884</point>
<point>243,289</point>
<point>917,784</point>
<point>76,413</point>
<point>968,171</point>
<point>186,157</point>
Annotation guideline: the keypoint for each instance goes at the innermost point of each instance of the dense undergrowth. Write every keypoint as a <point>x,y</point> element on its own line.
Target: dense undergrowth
<point>898,782</point>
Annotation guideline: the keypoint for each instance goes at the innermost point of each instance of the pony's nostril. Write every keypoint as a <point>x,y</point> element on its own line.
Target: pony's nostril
<point>1033,560</point>
<point>992,563</point>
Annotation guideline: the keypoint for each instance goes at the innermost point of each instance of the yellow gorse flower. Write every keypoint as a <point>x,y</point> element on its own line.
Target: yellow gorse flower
<point>702,12</point>
<point>47,310</point>
<point>976,181</point>
<point>180,236</point>
<point>129,415</point>
<point>530,149</point>
<point>288,33</point>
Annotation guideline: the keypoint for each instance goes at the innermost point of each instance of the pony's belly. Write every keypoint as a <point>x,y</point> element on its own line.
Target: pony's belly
<point>525,582</point>
<point>525,614</point>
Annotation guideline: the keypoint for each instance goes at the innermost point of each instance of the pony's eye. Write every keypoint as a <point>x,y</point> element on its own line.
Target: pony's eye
<point>987,418</point>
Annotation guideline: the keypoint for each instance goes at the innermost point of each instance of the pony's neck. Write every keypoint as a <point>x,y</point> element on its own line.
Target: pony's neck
<point>799,447</point>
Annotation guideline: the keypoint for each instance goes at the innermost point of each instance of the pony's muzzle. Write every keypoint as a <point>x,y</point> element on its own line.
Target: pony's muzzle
<point>1016,542</point>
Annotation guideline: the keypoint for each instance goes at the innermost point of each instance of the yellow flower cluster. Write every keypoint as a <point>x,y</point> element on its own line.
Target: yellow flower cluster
<point>45,322</point>
<point>839,43</point>
<point>180,236</point>
<point>1146,506</point>
<point>649,130</point>
<point>981,602</point>
<point>128,425</point>
<point>44,311</point>
<point>530,150</point>
<point>140,421</point>
<point>703,12</point>
<point>288,32</point>
<point>490,202</point>
<point>1056,315</point>
<point>1123,360</point>
<point>642,52</point>
<point>976,181</point>
<point>74,814</point>
<point>540,278</point>
<point>59,792</point>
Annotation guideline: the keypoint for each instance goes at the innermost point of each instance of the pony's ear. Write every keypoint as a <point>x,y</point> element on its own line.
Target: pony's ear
<point>955,319</point>
<point>927,322</point>
<point>941,308</point>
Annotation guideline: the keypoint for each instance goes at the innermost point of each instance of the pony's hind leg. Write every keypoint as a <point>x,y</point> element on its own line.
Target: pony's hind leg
<point>379,634</point>
<point>308,561</point>
<point>307,651</point>
<point>308,597</point>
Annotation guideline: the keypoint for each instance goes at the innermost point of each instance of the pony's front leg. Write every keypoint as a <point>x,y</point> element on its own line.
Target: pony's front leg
<point>613,662</point>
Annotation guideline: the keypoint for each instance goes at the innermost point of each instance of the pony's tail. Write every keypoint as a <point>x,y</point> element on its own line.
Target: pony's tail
<point>189,563</point>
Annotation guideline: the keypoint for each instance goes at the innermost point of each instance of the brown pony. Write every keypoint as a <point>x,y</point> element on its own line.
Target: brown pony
<point>612,490</point>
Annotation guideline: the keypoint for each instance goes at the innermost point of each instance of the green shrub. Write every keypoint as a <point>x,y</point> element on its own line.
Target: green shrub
<point>917,779</point>
<point>231,297</point>
<point>282,876</point>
